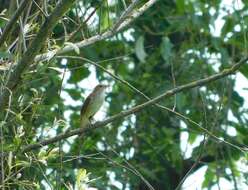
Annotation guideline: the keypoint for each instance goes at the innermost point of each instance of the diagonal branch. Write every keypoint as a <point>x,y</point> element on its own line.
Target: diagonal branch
<point>33,50</point>
<point>131,87</point>
<point>125,14</point>
<point>98,37</point>
<point>140,107</point>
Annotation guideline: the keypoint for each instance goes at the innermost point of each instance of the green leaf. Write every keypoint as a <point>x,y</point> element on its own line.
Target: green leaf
<point>74,46</point>
<point>104,18</point>
<point>228,26</point>
<point>148,172</point>
<point>244,70</point>
<point>140,50</point>
<point>165,48</point>
<point>180,6</point>
<point>238,100</point>
<point>78,75</point>
<point>3,21</point>
<point>192,138</point>
<point>74,93</point>
<point>209,177</point>
<point>5,55</point>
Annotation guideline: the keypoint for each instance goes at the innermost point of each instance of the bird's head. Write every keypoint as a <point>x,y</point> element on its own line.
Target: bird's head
<point>101,87</point>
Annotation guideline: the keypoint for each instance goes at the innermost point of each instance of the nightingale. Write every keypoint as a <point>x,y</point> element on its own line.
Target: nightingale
<point>92,104</point>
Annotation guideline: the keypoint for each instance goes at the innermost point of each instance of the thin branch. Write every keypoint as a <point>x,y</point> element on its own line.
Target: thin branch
<point>37,5</point>
<point>187,119</point>
<point>98,37</point>
<point>22,34</point>
<point>174,83</point>
<point>130,86</point>
<point>27,13</point>
<point>198,160</point>
<point>129,167</point>
<point>202,148</point>
<point>140,107</point>
<point>125,14</point>
<point>132,168</point>
<point>81,25</point>
<point>33,50</point>
<point>8,28</point>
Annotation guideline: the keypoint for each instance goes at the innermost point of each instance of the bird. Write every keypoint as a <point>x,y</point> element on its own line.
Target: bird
<point>92,104</point>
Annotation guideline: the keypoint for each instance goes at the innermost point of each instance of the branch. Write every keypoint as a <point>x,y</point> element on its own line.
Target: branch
<point>33,50</point>
<point>140,107</point>
<point>131,87</point>
<point>98,37</point>
<point>8,28</point>
<point>125,14</point>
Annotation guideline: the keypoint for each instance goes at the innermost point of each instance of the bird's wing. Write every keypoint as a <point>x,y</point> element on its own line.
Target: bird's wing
<point>85,105</point>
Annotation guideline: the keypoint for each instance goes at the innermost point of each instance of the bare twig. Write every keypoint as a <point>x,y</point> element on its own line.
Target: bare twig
<point>129,167</point>
<point>98,37</point>
<point>132,168</point>
<point>194,165</point>
<point>140,107</point>
<point>125,14</point>
<point>174,84</point>
<point>202,148</point>
<point>82,25</point>
<point>37,5</point>
<point>59,174</point>
<point>27,13</point>
<point>22,41</point>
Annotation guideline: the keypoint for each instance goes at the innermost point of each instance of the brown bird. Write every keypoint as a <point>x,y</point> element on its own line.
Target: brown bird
<point>92,104</point>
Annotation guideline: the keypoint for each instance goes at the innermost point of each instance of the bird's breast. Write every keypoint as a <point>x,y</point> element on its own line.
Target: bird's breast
<point>96,103</point>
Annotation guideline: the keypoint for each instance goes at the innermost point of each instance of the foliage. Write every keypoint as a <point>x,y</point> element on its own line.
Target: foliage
<point>170,44</point>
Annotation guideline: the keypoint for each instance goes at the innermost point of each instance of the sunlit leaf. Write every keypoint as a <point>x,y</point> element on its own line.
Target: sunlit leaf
<point>140,50</point>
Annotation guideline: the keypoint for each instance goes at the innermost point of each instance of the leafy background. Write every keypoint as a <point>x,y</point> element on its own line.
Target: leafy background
<point>171,44</point>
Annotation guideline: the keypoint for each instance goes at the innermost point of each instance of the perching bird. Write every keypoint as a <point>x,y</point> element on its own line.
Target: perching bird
<point>92,104</point>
